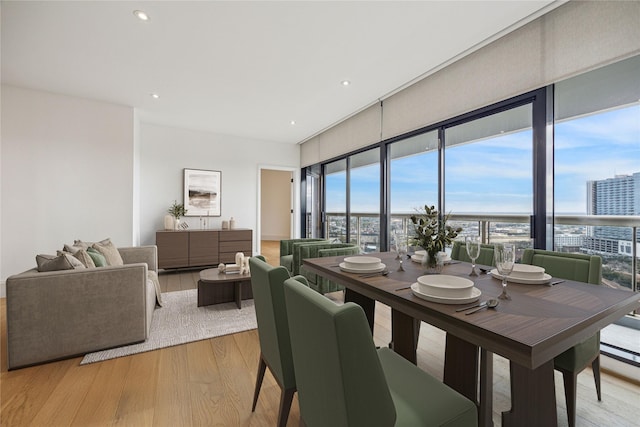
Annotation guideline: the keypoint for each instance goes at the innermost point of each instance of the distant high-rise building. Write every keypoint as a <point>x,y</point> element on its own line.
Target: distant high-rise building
<point>619,195</point>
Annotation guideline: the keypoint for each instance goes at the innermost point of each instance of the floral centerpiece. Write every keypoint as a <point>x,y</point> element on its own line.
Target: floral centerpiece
<point>432,233</point>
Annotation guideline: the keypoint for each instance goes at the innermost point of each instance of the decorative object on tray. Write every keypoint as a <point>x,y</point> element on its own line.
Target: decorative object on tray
<point>433,235</point>
<point>445,289</point>
<point>362,264</point>
<point>177,211</point>
<point>232,223</point>
<point>241,266</point>
<point>225,225</point>
<point>202,192</point>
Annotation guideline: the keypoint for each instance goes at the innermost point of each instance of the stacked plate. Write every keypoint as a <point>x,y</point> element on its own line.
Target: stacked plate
<point>418,255</point>
<point>362,264</point>
<point>445,289</point>
<point>526,274</point>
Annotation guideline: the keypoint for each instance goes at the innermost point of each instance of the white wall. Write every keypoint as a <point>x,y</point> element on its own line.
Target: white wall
<point>66,174</point>
<point>166,151</point>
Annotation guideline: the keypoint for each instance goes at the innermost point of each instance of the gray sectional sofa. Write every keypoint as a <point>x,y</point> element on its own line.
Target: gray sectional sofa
<point>59,314</point>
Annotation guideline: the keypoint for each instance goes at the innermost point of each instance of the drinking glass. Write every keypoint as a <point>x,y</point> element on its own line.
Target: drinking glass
<point>505,257</point>
<point>473,250</point>
<point>401,248</point>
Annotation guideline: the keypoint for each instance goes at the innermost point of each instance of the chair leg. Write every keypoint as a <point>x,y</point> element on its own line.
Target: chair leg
<point>286,397</point>
<point>595,367</point>
<point>570,385</point>
<point>262,367</point>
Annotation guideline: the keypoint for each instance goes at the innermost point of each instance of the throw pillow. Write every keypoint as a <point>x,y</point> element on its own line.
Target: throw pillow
<point>109,251</point>
<point>55,263</point>
<point>81,255</point>
<point>98,259</point>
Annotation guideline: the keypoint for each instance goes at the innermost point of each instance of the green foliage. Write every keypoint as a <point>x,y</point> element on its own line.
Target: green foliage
<point>433,233</point>
<point>177,210</point>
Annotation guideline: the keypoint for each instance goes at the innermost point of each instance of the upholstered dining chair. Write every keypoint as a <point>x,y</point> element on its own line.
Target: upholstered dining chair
<point>286,250</point>
<point>344,381</point>
<point>273,332</point>
<point>582,268</point>
<point>459,253</point>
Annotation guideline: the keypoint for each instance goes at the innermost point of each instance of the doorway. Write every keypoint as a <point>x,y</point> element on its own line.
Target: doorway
<point>277,202</point>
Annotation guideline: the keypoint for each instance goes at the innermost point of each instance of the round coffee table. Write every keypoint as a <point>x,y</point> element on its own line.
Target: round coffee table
<point>215,287</point>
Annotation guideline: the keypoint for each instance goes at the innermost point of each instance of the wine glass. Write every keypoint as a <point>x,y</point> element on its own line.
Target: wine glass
<point>505,257</point>
<point>473,250</point>
<point>401,248</point>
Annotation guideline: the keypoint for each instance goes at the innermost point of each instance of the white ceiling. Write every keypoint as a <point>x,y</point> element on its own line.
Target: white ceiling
<point>245,68</point>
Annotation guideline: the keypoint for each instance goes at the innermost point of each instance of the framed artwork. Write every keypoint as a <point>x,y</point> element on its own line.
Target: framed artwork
<point>202,192</point>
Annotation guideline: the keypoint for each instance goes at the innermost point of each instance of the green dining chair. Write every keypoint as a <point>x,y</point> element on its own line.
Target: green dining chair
<point>286,250</point>
<point>273,332</point>
<point>459,253</point>
<point>581,268</point>
<point>344,381</point>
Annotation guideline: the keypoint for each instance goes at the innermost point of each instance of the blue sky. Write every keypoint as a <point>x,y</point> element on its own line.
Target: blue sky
<point>495,175</point>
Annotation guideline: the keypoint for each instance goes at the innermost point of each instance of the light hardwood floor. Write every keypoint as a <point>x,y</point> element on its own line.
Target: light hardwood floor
<point>211,382</point>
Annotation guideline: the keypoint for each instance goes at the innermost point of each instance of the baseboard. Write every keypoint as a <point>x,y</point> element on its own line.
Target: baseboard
<point>272,237</point>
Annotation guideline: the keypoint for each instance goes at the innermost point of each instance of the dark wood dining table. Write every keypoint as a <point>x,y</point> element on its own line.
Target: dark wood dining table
<point>537,324</point>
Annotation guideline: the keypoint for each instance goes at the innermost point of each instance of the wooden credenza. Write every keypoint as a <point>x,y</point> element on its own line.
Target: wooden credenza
<point>194,248</point>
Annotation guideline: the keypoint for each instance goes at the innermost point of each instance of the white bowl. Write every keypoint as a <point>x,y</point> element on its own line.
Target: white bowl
<point>362,262</point>
<point>445,286</point>
<point>418,255</point>
<point>526,271</point>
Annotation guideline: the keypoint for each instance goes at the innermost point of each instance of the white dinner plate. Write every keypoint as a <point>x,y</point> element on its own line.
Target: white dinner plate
<point>377,269</point>
<point>542,281</point>
<point>475,295</point>
<point>418,259</point>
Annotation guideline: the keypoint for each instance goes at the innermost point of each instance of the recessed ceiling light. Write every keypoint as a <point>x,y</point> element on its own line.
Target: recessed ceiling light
<point>155,95</point>
<point>141,15</point>
<point>345,83</point>
<point>292,122</point>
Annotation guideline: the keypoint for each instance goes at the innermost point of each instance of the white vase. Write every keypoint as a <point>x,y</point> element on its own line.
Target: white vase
<point>176,224</point>
<point>168,222</point>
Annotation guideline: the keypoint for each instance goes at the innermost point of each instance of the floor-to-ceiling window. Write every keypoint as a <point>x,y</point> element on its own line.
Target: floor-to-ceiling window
<point>488,169</point>
<point>413,178</point>
<point>364,200</point>
<point>335,201</point>
<point>597,180</point>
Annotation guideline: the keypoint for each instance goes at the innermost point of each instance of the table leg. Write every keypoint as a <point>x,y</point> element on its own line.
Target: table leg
<point>533,397</point>
<point>405,331</point>
<point>461,366</point>
<point>237,291</point>
<point>485,407</point>
<point>367,304</point>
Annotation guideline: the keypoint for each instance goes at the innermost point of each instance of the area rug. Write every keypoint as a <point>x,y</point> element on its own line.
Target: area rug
<point>180,321</point>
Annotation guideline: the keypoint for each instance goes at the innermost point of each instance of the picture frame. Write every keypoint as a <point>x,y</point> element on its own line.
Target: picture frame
<point>202,190</point>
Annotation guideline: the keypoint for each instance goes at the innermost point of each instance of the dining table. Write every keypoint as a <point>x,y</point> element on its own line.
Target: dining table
<point>539,322</point>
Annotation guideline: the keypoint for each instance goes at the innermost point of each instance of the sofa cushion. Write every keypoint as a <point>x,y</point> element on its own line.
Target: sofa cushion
<point>98,259</point>
<point>57,262</point>
<point>109,251</point>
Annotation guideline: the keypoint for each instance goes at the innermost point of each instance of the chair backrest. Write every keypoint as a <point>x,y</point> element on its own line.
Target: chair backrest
<point>271,314</point>
<point>579,267</point>
<point>459,253</point>
<point>303,250</point>
<point>338,373</point>
<point>286,246</point>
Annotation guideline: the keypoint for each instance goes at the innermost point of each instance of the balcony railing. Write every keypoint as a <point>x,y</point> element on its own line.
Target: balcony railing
<point>494,228</point>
